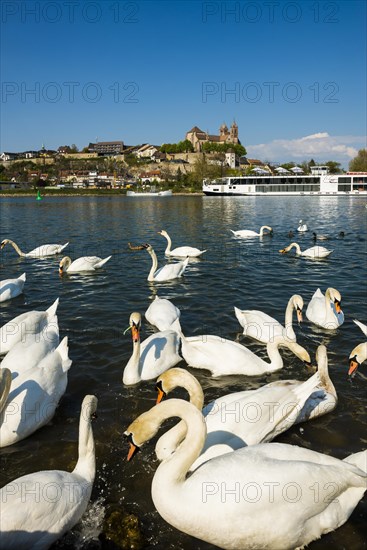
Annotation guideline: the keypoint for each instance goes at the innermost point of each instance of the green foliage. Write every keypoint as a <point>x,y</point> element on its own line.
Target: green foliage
<point>223,148</point>
<point>180,147</point>
<point>359,163</point>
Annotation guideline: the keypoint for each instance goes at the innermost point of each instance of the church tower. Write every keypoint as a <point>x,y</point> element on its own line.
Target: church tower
<point>234,133</point>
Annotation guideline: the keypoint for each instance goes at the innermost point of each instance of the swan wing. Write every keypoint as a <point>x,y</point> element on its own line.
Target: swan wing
<point>158,353</point>
<point>259,325</point>
<point>10,288</point>
<point>184,251</point>
<point>162,313</point>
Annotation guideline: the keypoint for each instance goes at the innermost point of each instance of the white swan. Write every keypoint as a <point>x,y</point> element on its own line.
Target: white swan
<point>356,358</point>
<point>162,313</point>
<point>150,358</point>
<point>32,348</point>
<point>221,356</point>
<point>168,271</point>
<point>249,233</point>
<point>359,353</point>
<point>325,311</point>
<point>85,263</point>
<point>55,499</point>
<point>34,396</point>
<point>39,252</point>
<point>261,496</point>
<point>181,251</point>
<point>302,227</point>
<point>237,419</point>
<point>262,327</point>
<point>24,325</point>
<point>10,288</point>
<point>314,252</point>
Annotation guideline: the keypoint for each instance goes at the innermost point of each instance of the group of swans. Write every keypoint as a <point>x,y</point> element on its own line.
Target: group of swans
<point>262,514</point>
<point>55,499</point>
<point>248,417</point>
<point>11,288</point>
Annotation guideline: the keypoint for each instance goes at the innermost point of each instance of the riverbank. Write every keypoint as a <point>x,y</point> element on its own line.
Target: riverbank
<point>81,193</point>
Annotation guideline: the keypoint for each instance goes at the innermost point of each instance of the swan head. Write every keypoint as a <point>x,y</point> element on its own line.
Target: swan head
<point>356,358</point>
<point>140,431</point>
<point>64,264</point>
<point>3,243</point>
<point>163,233</point>
<point>171,379</point>
<point>298,306</point>
<point>335,297</point>
<point>135,325</point>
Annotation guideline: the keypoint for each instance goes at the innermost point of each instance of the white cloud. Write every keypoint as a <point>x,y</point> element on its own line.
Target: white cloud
<point>319,146</point>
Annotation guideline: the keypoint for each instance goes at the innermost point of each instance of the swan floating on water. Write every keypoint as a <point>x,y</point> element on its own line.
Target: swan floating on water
<point>237,419</point>
<point>325,311</point>
<point>55,500</point>
<point>314,252</point>
<point>243,233</point>
<point>262,327</point>
<point>302,227</point>
<point>162,313</point>
<point>39,252</point>
<point>85,263</point>
<point>11,288</point>
<point>317,237</point>
<point>223,357</point>
<point>150,358</point>
<point>204,505</point>
<point>359,354</point>
<point>166,273</point>
<point>25,325</point>
<point>181,251</point>
<point>34,396</point>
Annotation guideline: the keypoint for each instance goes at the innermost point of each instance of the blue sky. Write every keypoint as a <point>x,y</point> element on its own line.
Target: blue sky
<point>292,74</point>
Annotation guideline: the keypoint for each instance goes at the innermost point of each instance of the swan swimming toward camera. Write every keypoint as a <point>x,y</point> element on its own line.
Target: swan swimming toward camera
<point>262,327</point>
<point>302,227</point>
<point>315,252</point>
<point>150,358</point>
<point>11,288</point>
<point>181,251</point>
<point>243,233</point>
<point>204,505</point>
<point>325,310</point>
<point>36,522</point>
<point>39,252</point>
<point>85,263</point>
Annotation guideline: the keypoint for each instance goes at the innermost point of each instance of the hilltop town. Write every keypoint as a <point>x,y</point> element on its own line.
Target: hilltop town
<point>114,164</point>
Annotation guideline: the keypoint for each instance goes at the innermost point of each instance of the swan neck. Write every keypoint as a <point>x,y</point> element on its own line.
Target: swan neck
<point>288,321</point>
<point>276,361</point>
<point>178,464</point>
<point>153,269</point>
<point>296,246</point>
<point>16,248</point>
<point>132,374</point>
<point>169,244</point>
<point>86,465</point>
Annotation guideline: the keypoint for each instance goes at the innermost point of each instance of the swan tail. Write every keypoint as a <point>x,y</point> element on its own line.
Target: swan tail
<point>51,311</point>
<point>102,262</point>
<point>361,326</point>
<point>63,350</point>
<point>63,246</point>
<point>22,277</point>
<point>358,459</point>
<point>234,232</point>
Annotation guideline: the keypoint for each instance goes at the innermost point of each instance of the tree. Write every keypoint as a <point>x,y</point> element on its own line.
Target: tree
<point>74,148</point>
<point>334,167</point>
<point>359,163</point>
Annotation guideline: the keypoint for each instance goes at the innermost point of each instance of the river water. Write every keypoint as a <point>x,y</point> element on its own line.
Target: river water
<point>94,311</point>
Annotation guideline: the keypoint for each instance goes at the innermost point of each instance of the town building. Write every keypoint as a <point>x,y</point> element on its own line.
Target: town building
<point>197,137</point>
<point>106,148</point>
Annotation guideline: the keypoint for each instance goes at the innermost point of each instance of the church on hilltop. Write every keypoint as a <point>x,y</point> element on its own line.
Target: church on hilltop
<point>198,137</point>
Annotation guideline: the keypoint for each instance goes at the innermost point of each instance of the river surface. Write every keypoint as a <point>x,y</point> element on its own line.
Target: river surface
<point>94,311</point>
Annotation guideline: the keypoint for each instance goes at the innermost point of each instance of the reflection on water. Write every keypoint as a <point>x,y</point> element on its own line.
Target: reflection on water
<point>94,311</point>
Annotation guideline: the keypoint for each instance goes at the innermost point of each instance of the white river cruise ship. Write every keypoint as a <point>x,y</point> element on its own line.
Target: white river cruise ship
<point>319,182</point>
